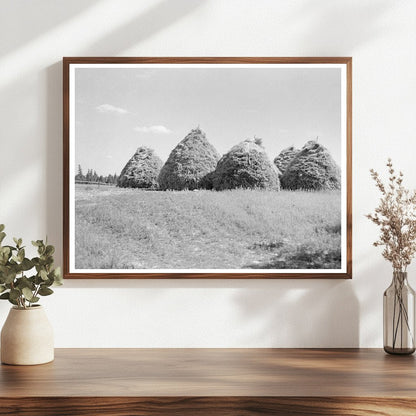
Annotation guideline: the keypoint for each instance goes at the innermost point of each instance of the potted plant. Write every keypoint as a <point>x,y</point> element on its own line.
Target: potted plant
<point>27,336</point>
<point>396,217</point>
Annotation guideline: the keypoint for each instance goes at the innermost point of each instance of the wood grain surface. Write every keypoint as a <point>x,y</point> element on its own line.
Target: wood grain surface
<point>212,381</point>
<point>208,406</point>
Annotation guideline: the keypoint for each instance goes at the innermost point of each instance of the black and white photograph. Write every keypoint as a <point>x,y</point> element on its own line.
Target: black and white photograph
<point>212,168</point>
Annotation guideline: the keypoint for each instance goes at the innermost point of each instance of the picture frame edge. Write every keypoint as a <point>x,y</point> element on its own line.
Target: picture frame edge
<point>67,61</point>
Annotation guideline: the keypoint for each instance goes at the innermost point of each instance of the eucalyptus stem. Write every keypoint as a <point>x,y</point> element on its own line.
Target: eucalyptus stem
<point>23,280</point>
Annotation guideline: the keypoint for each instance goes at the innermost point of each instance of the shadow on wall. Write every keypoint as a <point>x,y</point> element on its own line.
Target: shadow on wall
<point>376,275</point>
<point>155,19</point>
<point>33,104</point>
<point>262,313</point>
<point>330,26</point>
<point>158,17</point>
<point>44,17</point>
<point>301,313</point>
<point>54,146</point>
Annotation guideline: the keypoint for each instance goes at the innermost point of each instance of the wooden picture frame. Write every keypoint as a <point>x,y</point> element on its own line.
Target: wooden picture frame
<point>319,88</point>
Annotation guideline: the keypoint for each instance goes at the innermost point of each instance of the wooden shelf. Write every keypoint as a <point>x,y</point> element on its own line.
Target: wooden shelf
<point>212,382</point>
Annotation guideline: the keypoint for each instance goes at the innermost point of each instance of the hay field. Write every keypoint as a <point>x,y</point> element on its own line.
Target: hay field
<point>118,228</point>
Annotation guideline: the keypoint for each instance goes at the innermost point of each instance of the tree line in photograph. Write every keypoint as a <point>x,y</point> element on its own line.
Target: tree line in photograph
<point>92,177</point>
<point>195,164</point>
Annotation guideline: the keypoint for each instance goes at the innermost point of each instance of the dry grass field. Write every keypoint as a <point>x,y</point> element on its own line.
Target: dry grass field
<point>117,228</point>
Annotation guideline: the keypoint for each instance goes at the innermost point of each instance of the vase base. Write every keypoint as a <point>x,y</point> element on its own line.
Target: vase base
<point>399,351</point>
<point>19,363</point>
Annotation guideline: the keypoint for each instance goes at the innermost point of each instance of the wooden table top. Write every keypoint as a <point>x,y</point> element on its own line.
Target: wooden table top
<point>214,372</point>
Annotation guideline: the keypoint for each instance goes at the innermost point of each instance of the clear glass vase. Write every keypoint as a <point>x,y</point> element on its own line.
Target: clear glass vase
<point>399,316</point>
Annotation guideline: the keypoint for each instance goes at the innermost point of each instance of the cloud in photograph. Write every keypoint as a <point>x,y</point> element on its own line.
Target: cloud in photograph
<point>108,108</point>
<point>158,129</point>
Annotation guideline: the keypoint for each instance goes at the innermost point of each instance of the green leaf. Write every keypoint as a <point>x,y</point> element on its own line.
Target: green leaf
<point>15,293</point>
<point>38,280</point>
<point>27,293</point>
<point>11,248</point>
<point>21,255</point>
<point>48,282</point>
<point>24,282</point>
<point>26,264</point>
<point>5,250</point>
<point>48,260</point>
<point>49,250</point>
<point>13,302</point>
<point>2,227</point>
<point>35,261</point>
<point>2,236</point>
<point>2,288</point>
<point>45,291</point>
<point>58,281</point>
<point>37,243</point>
<point>7,296</point>
<point>43,274</point>
<point>9,277</point>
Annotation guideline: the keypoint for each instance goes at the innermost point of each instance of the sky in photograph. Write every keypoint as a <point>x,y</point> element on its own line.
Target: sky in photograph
<point>119,109</point>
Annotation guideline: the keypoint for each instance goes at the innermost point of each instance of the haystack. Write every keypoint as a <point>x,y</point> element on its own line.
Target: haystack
<point>142,170</point>
<point>189,162</point>
<point>313,168</point>
<point>246,165</point>
<point>283,159</point>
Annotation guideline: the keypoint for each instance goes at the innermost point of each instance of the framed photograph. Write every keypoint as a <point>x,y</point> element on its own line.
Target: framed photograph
<point>207,168</point>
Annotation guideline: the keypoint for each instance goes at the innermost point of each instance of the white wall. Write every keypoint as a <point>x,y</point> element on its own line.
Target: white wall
<point>380,35</point>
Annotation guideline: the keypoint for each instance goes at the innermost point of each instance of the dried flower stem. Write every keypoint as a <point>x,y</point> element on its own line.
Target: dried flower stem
<point>396,217</point>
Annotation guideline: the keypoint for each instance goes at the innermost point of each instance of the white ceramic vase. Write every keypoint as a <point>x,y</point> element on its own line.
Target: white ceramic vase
<point>27,337</point>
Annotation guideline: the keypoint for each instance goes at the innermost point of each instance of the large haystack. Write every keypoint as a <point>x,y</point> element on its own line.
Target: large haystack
<point>283,159</point>
<point>246,165</point>
<point>313,168</point>
<point>142,170</point>
<point>189,162</point>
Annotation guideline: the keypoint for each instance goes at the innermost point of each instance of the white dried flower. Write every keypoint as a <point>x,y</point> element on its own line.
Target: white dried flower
<point>396,217</point>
